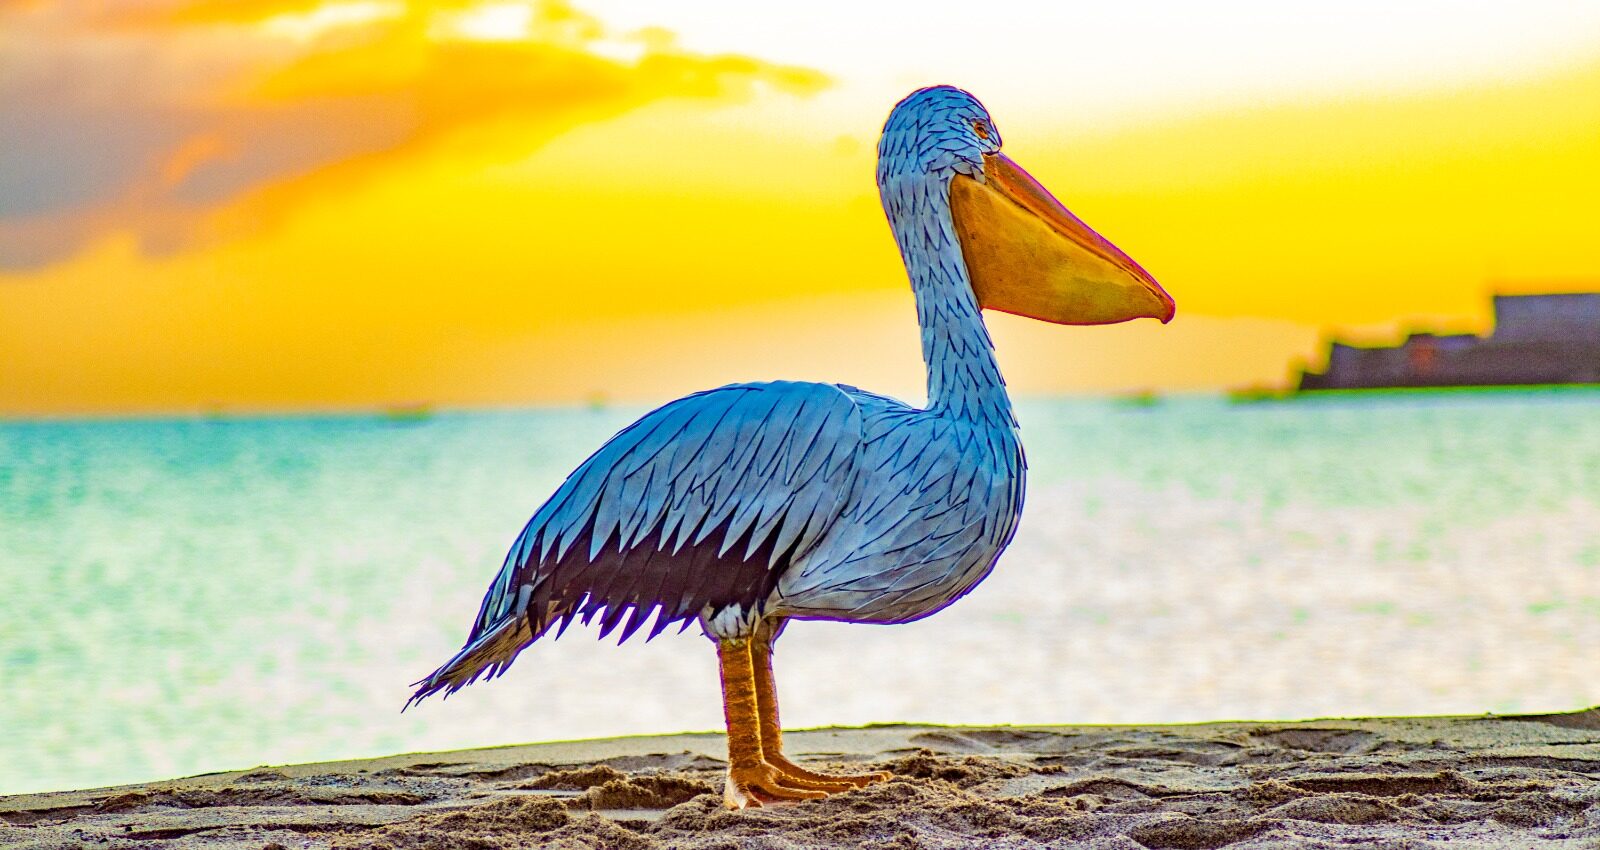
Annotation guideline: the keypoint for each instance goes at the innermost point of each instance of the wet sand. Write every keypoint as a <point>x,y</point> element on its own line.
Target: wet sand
<point>1500,782</point>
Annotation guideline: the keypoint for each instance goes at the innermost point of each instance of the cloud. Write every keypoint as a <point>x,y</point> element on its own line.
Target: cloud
<point>180,121</point>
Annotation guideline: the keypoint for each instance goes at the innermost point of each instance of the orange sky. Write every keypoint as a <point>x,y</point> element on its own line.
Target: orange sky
<point>277,204</point>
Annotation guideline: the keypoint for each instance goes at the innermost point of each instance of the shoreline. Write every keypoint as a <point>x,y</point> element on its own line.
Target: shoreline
<point>1488,781</point>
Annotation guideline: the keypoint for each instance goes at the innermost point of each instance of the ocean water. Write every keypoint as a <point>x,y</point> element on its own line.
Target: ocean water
<point>185,596</point>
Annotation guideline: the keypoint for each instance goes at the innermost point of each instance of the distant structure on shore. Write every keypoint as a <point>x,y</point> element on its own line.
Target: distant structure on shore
<point>1537,339</point>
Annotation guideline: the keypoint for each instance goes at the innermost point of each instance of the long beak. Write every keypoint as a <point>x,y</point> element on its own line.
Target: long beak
<point>1027,254</point>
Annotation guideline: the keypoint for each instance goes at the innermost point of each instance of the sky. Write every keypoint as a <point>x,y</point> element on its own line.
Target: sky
<point>267,205</point>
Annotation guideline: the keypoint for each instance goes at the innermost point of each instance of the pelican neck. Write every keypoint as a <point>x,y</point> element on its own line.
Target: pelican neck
<point>964,379</point>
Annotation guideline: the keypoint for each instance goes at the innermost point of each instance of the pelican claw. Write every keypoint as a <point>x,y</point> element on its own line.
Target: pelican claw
<point>798,777</point>
<point>753,787</point>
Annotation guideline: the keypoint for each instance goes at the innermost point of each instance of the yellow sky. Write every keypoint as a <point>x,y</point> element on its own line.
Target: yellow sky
<point>278,204</point>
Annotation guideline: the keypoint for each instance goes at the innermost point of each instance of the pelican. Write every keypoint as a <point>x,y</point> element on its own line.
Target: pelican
<point>750,505</point>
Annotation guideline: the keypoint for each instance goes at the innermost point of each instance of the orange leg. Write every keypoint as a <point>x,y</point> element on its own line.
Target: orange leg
<point>751,780</point>
<point>766,688</point>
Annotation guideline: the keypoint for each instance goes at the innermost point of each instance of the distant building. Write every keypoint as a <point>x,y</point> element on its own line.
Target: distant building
<point>1537,339</point>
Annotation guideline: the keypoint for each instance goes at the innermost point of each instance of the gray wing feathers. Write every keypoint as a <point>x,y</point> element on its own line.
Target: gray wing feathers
<point>671,515</point>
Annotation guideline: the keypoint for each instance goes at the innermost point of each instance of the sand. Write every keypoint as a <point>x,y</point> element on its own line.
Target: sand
<point>1500,782</point>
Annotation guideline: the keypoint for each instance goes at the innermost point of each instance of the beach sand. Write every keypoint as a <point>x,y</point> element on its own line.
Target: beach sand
<point>1495,781</point>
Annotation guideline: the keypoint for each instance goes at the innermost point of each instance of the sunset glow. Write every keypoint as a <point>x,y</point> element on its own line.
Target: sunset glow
<point>489,22</point>
<point>321,20</point>
<point>279,204</point>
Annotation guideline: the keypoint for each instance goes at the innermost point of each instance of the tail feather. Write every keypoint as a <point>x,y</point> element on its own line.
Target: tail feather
<point>487,655</point>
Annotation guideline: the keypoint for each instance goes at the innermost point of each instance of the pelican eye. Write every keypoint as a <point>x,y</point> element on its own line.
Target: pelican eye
<point>981,129</point>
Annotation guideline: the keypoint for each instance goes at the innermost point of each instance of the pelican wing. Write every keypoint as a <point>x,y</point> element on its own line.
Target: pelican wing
<point>700,504</point>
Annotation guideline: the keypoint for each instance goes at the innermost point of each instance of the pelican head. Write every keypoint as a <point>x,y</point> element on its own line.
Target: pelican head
<point>1025,253</point>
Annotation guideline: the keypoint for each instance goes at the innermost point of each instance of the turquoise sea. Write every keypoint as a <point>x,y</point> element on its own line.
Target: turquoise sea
<point>179,596</point>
